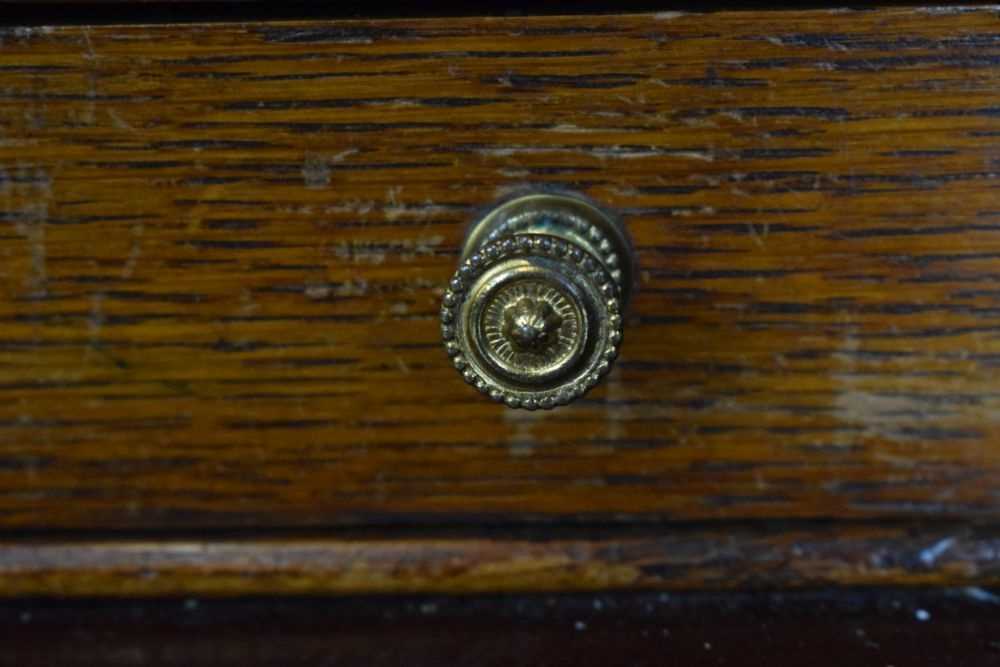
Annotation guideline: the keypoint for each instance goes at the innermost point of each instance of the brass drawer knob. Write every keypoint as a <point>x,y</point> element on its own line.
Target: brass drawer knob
<point>533,315</point>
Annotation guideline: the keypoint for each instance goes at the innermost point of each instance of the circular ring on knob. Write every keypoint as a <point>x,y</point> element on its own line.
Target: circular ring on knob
<point>532,321</point>
<point>533,315</point>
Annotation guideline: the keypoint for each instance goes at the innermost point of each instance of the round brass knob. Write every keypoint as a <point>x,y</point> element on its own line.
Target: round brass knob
<point>533,315</point>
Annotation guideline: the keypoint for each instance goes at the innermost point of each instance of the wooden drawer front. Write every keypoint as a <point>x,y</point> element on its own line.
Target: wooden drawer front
<point>223,248</point>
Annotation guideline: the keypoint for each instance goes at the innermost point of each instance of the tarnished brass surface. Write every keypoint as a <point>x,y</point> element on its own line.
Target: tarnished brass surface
<point>532,316</point>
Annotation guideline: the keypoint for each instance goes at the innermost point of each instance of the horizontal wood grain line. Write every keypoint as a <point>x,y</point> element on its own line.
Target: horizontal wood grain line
<point>739,558</point>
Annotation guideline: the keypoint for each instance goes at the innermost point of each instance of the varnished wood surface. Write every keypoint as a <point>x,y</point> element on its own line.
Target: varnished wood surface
<point>952,628</point>
<point>222,249</point>
<point>725,558</point>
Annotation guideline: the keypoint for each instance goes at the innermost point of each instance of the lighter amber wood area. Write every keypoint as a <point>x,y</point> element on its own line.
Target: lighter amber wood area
<point>222,249</point>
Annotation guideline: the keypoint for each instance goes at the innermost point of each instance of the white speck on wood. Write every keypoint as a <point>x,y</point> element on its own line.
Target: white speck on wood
<point>118,121</point>
<point>701,156</point>
<point>931,554</point>
<point>317,292</point>
<point>981,595</point>
<point>392,209</point>
<point>343,155</point>
<point>402,365</point>
<point>353,287</point>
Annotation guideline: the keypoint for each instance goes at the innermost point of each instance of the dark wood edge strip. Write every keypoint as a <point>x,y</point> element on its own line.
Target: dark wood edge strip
<point>827,628</point>
<point>703,560</point>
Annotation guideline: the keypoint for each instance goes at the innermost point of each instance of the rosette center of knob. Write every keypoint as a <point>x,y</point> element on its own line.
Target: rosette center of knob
<point>531,325</point>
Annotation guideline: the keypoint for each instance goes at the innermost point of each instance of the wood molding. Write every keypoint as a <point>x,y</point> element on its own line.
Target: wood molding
<point>733,558</point>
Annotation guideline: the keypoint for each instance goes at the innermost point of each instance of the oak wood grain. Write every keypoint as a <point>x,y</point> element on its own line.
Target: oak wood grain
<point>222,249</point>
<point>723,558</point>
